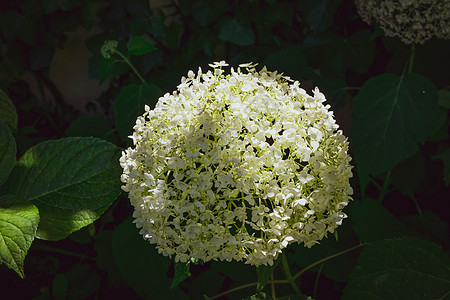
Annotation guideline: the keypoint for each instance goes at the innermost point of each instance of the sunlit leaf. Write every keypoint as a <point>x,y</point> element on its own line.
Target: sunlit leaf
<point>72,181</point>
<point>18,226</point>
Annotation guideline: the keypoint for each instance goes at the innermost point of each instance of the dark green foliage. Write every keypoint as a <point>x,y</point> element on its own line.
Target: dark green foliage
<point>391,99</point>
<point>403,268</point>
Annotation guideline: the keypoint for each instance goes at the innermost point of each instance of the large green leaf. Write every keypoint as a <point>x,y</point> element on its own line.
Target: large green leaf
<point>130,103</point>
<point>235,32</point>
<point>72,181</point>
<point>18,226</point>
<point>140,265</point>
<point>404,268</point>
<point>392,115</point>
<point>8,151</point>
<point>7,110</point>
<point>374,222</point>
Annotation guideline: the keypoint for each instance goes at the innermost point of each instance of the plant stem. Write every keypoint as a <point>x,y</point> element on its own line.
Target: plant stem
<point>384,188</point>
<point>272,287</point>
<point>128,62</point>
<point>46,248</point>
<point>419,210</point>
<point>248,285</point>
<point>411,59</point>
<point>292,279</point>
<point>288,274</point>
<point>327,258</point>
<point>316,283</point>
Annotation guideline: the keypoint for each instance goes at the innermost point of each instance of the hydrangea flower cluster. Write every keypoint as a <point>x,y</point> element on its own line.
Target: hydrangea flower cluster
<point>236,167</point>
<point>413,21</point>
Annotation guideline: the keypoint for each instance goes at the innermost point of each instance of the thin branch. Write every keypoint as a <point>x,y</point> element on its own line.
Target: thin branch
<point>327,258</point>
<point>46,248</point>
<point>288,274</point>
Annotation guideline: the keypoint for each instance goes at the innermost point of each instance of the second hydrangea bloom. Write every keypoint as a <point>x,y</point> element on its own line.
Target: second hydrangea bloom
<point>236,167</point>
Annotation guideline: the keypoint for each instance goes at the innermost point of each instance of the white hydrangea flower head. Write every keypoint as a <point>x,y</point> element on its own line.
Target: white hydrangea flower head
<point>237,167</point>
<point>413,21</point>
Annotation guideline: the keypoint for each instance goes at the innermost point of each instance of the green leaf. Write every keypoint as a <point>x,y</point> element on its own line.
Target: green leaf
<point>320,13</point>
<point>60,286</point>
<point>18,226</point>
<point>105,257</point>
<point>289,60</point>
<point>429,225</point>
<point>173,35</point>
<point>359,51</point>
<point>409,174</point>
<point>8,151</point>
<point>356,52</point>
<point>392,115</point>
<point>263,273</point>
<point>373,222</point>
<point>130,103</point>
<point>140,265</point>
<point>7,111</point>
<point>338,268</point>
<point>444,98</point>
<point>444,155</point>
<point>83,281</point>
<point>72,181</point>
<point>208,282</point>
<point>235,32</point>
<point>91,125</point>
<point>206,12</point>
<point>181,273</point>
<point>404,268</point>
<point>139,45</point>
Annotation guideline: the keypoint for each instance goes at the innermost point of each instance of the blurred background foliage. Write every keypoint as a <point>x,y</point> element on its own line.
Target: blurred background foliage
<point>52,69</point>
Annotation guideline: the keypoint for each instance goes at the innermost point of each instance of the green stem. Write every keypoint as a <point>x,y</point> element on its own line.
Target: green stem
<point>248,285</point>
<point>411,59</point>
<point>316,283</point>
<point>128,62</point>
<point>41,247</point>
<point>326,259</point>
<point>384,188</point>
<point>417,205</point>
<point>288,274</point>
<point>272,287</point>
